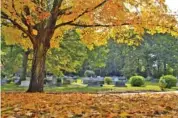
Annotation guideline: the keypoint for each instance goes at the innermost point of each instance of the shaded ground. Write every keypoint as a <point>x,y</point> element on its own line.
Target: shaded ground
<point>89,105</point>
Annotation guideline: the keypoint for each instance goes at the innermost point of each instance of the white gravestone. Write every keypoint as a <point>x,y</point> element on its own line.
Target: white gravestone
<point>28,78</point>
<point>25,83</point>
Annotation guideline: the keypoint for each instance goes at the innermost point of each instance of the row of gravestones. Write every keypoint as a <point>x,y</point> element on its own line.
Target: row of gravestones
<point>99,81</point>
<point>52,81</point>
<point>15,79</point>
<point>24,83</point>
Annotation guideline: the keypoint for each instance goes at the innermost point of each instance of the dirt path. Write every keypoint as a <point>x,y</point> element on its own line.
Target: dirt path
<point>133,93</point>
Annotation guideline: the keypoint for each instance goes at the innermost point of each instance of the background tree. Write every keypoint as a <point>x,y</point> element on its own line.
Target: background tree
<point>156,56</point>
<point>14,60</point>
<point>69,57</point>
<point>11,59</point>
<point>95,60</point>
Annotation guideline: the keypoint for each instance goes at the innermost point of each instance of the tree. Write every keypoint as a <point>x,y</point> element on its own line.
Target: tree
<point>156,56</point>
<point>12,55</point>
<point>165,50</point>
<point>11,59</point>
<point>42,21</point>
<point>69,57</point>
<point>116,57</point>
<point>25,64</point>
<point>95,60</point>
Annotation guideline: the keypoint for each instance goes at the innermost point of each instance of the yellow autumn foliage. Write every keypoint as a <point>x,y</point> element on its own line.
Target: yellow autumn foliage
<point>15,37</point>
<point>95,20</point>
<point>89,105</point>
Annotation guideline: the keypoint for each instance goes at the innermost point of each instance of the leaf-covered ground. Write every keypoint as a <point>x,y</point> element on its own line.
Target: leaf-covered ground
<point>76,105</point>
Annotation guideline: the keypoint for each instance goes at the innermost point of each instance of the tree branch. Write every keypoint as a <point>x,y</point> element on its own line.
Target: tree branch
<point>22,17</point>
<point>13,6</point>
<point>84,12</point>
<point>97,25</point>
<point>54,14</point>
<point>29,26</point>
<point>63,11</point>
<point>56,5</point>
<point>5,16</point>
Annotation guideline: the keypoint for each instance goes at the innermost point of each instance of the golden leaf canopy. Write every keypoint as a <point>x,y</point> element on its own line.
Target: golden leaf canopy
<point>95,20</point>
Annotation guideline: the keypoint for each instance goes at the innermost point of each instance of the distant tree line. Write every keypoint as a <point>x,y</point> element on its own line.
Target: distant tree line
<point>156,56</point>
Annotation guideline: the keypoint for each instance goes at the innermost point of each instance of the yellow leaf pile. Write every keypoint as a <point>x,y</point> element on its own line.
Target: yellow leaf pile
<point>43,105</point>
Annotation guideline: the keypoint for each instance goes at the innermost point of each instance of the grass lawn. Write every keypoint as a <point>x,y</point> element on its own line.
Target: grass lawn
<point>79,87</point>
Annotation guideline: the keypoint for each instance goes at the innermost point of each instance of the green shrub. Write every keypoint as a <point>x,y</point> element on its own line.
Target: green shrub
<point>59,80</point>
<point>162,84</point>
<point>170,81</point>
<point>89,73</point>
<point>137,81</point>
<point>108,80</point>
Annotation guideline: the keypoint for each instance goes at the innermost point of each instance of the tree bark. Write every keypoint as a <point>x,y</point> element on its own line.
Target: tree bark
<point>165,67</point>
<point>38,68</point>
<point>24,64</point>
<point>148,69</point>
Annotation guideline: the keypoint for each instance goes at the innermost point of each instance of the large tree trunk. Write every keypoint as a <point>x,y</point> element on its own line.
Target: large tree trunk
<point>24,65</point>
<point>41,44</point>
<point>38,69</point>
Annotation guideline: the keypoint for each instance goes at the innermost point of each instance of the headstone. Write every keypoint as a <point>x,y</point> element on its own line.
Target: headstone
<point>94,83</point>
<point>7,80</point>
<point>54,81</point>
<point>25,83</point>
<point>75,77</point>
<point>85,80</point>
<point>48,82</point>
<point>3,81</point>
<point>28,78</point>
<point>98,81</point>
<point>49,77</point>
<point>121,82</point>
<point>115,79</point>
<point>67,79</point>
<point>99,78</point>
<point>16,79</point>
